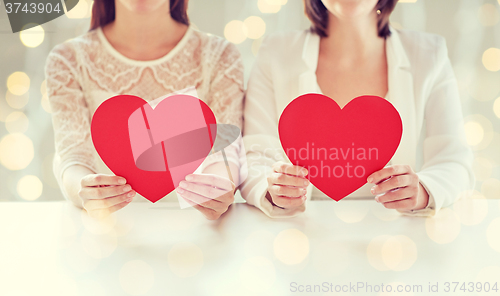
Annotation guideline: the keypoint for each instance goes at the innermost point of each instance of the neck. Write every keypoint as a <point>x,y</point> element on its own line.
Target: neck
<point>138,32</point>
<point>353,36</point>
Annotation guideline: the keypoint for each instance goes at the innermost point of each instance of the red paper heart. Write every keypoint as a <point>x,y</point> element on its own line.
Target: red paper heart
<point>165,152</point>
<point>314,123</point>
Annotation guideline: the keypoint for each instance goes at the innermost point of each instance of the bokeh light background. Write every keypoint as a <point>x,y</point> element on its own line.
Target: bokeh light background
<point>471,29</point>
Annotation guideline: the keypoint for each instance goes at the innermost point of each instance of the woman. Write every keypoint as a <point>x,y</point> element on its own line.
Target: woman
<point>350,51</point>
<point>144,48</point>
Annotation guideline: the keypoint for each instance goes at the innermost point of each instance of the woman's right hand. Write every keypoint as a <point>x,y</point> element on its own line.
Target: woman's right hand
<point>287,185</point>
<point>102,194</point>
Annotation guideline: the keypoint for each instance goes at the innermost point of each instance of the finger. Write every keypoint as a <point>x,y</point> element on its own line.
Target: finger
<point>201,200</point>
<point>288,202</point>
<point>289,169</point>
<point>394,195</point>
<point>392,183</point>
<point>104,192</point>
<point>119,206</point>
<point>212,180</point>
<point>208,213</point>
<point>404,204</point>
<point>287,191</point>
<point>101,179</point>
<point>202,189</point>
<point>96,204</point>
<point>387,172</point>
<point>288,180</point>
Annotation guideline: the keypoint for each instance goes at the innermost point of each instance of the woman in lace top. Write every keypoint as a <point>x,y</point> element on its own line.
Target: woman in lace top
<point>147,49</point>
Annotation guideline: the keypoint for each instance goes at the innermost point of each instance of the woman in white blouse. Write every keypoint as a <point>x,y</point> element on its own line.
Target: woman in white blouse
<point>144,48</point>
<point>350,51</point>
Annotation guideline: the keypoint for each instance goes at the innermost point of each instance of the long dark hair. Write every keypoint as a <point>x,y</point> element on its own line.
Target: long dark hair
<point>103,12</point>
<point>318,15</point>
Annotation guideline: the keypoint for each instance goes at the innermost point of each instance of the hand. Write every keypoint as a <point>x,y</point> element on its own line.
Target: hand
<point>399,187</point>
<point>210,194</point>
<point>102,195</point>
<point>287,185</point>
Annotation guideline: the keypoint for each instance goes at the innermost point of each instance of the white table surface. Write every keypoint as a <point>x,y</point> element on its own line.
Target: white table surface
<point>52,248</point>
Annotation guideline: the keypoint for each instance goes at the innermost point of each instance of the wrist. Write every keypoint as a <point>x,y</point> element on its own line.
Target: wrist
<point>422,198</point>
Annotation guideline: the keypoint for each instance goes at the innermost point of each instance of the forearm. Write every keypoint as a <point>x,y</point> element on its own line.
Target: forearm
<point>71,180</point>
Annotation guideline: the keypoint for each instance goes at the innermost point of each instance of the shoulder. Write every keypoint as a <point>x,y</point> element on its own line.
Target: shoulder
<point>215,46</point>
<point>284,45</point>
<point>68,51</point>
<point>421,46</point>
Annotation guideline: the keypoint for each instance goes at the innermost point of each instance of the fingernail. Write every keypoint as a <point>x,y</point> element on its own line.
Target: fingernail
<point>180,190</point>
<point>131,194</point>
<point>370,179</point>
<point>303,172</point>
<point>373,190</point>
<point>303,191</point>
<point>129,200</point>
<point>189,178</point>
<point>127,188</point>
<point>182,184</point>
<point>376,199</point>
<point>306,182</point>
<point>122,181</point>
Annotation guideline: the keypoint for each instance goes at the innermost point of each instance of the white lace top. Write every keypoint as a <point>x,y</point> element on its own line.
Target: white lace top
<point>85,71</point>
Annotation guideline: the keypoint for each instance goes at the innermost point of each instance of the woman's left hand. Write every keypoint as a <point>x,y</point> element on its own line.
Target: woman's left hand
<point>210,194</point>
<point>398,187</point>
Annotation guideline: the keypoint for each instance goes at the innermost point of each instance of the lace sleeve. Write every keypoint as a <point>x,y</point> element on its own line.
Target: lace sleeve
<point>70,114</point>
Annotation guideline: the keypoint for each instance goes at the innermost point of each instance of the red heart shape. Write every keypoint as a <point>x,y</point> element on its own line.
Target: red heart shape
<point>117,135</point>
<point>340,147</point>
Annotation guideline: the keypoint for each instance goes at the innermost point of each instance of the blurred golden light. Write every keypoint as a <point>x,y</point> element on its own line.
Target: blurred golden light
<point>81,10</point>
<point>101,225</point>
<point>374,252</point>
<point>496,107</point>
<point>18,83</point>
<point>482,167</point>
<point>351,212</point>
<point>399,252</point>
<point>16,122</point>
<point>46,104</point>
<point>491,59</point>
<point>235,32</point>
<point>330,258</point>
<point>29,187</point>
<point>444,227</point>
<point>474,133</point>
<point>257,274</point>
<point>472,208</point>
<point>43,88</point>
<point>136,277</point>
<point>99,246</point>
<point>256,27</point>
<point>492,234</point>
<point>269,6</point>
<point>291,246</point>
<point>17,102</point>
<point>491,188</point>
<point>16,151</point>
<point>488,15</point>
<point>185,259</point>
<point>32,37</point>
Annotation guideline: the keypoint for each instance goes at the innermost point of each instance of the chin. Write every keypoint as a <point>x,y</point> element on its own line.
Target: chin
<point>350,8</point>
<point>143,6</point>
